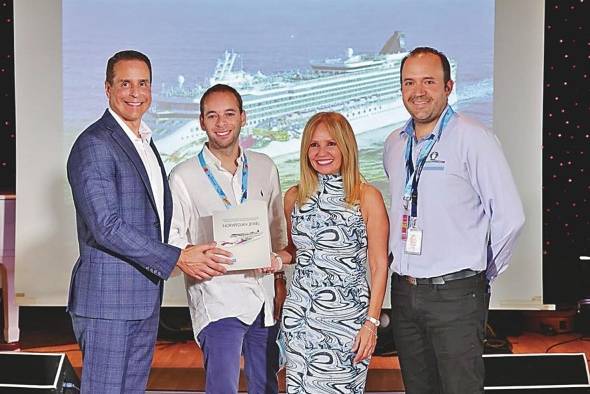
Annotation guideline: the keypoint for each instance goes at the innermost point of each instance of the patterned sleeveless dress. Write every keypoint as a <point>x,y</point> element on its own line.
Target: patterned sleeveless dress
<point>328,298</point>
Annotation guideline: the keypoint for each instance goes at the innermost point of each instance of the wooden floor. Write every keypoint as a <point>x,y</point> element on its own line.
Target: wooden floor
<point>179,365</point>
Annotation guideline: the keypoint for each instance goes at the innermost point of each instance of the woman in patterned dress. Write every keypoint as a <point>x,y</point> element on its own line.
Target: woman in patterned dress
<point>337,223</point>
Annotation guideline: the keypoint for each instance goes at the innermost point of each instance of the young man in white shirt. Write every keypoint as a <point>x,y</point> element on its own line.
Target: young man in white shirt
<point>235,313</point>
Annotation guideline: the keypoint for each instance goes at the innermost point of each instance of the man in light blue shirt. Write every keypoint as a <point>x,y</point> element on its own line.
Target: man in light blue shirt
<point>455,216</point>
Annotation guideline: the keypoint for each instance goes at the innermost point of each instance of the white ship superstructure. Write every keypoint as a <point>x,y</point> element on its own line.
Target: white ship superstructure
<point>365,88</point>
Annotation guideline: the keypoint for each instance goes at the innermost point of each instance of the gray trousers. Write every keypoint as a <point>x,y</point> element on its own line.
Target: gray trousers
<point>439,332</point>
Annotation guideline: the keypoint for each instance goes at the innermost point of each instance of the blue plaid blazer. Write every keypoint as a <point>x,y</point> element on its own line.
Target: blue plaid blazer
<point>123,260</point>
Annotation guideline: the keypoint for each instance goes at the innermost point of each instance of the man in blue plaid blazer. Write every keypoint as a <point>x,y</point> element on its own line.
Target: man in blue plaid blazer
<point>123,212</point>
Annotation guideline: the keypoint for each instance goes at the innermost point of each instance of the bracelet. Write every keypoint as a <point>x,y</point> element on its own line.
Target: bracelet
<point>280,275</point>
<point>375,322</point>
<point>278,257</point>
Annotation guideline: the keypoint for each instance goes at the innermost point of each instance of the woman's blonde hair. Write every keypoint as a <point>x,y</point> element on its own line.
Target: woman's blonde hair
<point>341,131</point>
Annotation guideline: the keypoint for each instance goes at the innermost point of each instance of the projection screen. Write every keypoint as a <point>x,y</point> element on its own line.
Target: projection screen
<point>61,48</point>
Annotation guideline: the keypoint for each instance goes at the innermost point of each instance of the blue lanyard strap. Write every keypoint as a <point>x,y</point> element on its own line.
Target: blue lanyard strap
<point>413,174</point>
<point>216,185</point>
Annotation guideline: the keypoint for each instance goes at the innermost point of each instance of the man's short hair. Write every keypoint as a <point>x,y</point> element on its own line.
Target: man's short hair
<point>125,55</point>
<point>423,50</point>
<point>219,88</point>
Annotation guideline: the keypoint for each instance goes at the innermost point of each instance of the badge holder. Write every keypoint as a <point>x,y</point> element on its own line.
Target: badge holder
<point>413,239</point>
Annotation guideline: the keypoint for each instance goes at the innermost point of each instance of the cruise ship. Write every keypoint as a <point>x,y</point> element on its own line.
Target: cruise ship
<point>363,87</point>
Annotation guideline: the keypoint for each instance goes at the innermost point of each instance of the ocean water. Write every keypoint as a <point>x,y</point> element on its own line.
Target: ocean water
<point>186,37</point>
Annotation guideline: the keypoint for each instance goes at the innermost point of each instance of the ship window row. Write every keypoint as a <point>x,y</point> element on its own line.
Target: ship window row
<point>359,77</point>
<point>350,78</point>
<point>383,80</point>
<point>306,104</point>
<point>346,92</point>
<point>350,98</point>
<point>310,109</point>
<point>360,90</point>
<point>325,103</point>
<point>338,77</point>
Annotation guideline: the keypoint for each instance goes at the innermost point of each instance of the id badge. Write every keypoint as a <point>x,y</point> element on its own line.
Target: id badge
<point>414,241</point>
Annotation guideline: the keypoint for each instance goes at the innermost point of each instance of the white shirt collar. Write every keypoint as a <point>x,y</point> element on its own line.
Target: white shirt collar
<point>144,131</point>
<point>213,160</point>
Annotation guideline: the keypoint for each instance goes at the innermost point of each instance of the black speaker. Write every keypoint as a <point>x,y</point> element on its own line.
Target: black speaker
<point>22,372</point>
<point>536,373</point>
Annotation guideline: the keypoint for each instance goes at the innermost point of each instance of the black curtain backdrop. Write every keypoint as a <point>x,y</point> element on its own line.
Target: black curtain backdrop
<point>7,127</point>
<point>566,143</point>
<point>566,151</point>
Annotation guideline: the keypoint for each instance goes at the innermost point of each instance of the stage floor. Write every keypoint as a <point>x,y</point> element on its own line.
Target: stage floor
<point>178,365</point>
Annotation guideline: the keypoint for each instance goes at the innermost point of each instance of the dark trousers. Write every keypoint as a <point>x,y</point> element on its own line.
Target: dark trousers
<point>224,341</point>
<point>439,333</point>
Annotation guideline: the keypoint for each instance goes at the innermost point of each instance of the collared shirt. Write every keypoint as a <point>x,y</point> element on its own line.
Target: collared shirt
<point>468,206</point>
<point>150,163</point>
<point>238,294</point>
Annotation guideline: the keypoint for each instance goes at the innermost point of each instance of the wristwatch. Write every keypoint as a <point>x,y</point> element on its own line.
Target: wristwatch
<point>278,257</point>
<point>376,322</point>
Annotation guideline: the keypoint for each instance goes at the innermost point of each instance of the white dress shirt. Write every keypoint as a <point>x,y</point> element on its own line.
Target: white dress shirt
<point>236,294</point>
<point>150,162</point>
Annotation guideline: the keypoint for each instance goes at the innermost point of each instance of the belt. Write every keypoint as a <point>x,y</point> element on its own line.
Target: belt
<point>440,280</point>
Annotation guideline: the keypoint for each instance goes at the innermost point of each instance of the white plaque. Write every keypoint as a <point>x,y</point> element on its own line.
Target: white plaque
<point>243,231</point>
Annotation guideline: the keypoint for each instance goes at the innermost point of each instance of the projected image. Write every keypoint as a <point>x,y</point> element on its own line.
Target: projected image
<point>289,60</point>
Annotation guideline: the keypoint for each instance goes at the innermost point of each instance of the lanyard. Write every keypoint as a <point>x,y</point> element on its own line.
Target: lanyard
<point>413,174</point>
<point>216,185</point>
